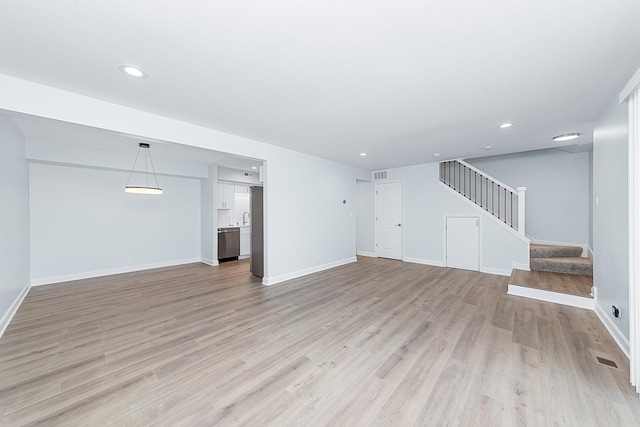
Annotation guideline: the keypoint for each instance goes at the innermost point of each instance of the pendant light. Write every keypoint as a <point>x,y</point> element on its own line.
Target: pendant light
<point>147,189</point>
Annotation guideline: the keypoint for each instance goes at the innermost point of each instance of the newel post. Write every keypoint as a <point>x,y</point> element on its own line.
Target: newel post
<point>521,191</point>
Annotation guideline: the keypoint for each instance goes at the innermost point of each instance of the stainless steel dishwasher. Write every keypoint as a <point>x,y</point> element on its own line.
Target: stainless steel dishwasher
<point>228,243</point>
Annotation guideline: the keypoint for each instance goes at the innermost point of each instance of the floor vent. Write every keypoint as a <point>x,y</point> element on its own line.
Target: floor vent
<point>379,175</point>
<point>606,362</point>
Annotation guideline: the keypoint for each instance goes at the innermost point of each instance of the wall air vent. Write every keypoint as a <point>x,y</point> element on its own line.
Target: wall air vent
<point>379,175</point>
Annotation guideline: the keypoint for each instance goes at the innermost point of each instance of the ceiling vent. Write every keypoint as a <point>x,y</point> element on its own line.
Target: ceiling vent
<point>379,175</point>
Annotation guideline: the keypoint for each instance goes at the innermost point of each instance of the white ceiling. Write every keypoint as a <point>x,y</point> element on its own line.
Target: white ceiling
<point>399,79</point>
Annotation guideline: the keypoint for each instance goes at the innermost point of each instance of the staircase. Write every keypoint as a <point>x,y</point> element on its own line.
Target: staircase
<point>496,198</point>
<point>559,259</point>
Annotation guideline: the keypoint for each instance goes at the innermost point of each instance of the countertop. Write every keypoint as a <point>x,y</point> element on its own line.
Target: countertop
<point>234,226</point>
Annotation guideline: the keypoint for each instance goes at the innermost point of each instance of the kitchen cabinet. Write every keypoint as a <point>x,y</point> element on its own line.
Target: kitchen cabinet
<point>245,242</point>
<point>241,188</point>
<point>225,194</point>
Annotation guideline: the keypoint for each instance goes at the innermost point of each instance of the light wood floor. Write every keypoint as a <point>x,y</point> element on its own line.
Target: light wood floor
<point>571,284</point>
<point>377,342</point>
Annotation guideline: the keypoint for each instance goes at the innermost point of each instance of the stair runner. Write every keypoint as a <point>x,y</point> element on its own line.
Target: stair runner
<point>559,259</point>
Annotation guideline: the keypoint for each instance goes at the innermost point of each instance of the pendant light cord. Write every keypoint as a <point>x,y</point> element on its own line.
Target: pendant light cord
<point>134,166</point>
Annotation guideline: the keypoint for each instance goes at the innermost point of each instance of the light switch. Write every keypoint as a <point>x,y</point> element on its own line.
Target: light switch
<point>597,200</point>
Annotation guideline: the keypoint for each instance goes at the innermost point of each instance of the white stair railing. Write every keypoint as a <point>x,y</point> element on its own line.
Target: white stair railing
<point>498,199</point>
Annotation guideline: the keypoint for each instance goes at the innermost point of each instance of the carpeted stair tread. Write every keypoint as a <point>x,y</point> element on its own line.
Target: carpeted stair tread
<point>570,265</point>
<point>554,251</point>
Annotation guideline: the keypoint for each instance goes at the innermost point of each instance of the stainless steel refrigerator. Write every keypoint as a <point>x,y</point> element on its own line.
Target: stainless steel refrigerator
<point>257,231</point>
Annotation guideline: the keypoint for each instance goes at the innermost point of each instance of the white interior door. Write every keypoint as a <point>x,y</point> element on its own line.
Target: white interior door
<point>389,220</point>
<point>463,243</point>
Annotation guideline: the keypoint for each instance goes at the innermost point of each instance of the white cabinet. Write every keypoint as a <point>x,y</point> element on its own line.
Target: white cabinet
<point>225,194</point>
<point>245,241</point>
<point>241,188</point>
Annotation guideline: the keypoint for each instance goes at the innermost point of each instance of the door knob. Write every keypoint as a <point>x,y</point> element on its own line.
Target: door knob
<point>399,225</point>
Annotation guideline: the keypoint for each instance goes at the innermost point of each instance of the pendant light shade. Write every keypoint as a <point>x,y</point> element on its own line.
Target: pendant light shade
<point>144,189</point>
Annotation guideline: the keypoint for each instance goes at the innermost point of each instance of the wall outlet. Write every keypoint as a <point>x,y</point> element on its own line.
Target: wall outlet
<point>615,311</point>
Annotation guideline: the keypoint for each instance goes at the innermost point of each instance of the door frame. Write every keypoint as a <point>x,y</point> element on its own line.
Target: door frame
<point>444,238</point>
<point>375,212</point>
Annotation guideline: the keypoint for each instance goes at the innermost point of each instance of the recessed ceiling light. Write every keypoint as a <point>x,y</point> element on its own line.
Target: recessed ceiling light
<point>254,168</point>
<point>566,137</point>
<point>436,154</point>
<point>488,147</point>
<point>363,154</point>
<point>505,125</point>
<point>133,71</point>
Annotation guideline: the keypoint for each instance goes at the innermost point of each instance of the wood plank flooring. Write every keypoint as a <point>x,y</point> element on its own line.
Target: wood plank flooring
<point>570,284</point>
<point>377,342</point>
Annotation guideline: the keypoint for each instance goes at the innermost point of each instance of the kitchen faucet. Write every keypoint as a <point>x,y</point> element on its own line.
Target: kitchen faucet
<point>244,221</point>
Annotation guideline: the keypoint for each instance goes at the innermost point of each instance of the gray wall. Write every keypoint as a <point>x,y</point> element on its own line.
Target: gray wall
<point>14,214</point>
<point>82,222</point>
<point>426,203</point>
<point>366,218</point>
<point>208,232</point>
<point>557,197</point>
<point>610,253</point>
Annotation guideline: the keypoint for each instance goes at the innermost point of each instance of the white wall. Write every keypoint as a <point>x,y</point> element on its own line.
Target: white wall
<point>306,225</point>
<point>610,231</point>
<point>14,220</point>
<point>427,202</point>
<point>84,224</point>
<point>208,217</point>
<point>309,226</point>
<point>235,175</point>
<point>557,196</point>
<point>366,218</point>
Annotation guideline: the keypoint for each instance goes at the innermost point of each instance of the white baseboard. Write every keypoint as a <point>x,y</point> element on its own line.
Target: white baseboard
<point>589,252</point>
<point>424,261</point>
<point>369,254</point>
<point>542,295</point>
<point>522,266</point>
<point>617,335</point>
<point>13,309</point>
<point>209,261</point>
<point>107,272</point>
<point>498,271</point>
<point>585,248</point>
<point>294,275</point>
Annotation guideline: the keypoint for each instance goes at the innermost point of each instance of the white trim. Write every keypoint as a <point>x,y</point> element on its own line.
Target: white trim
<point>485,213</point>
<point>589,252</point>
<point>431,262</point>
<point>498,271</point>
<point>633,83</point>
<point>210,262</point>
<point>555,297</point>
<point>110,271</point>
<point>486,175</point>
<point>13,308</point>
<point>294,275</point>
<point>615,333</point>
<point>522,266</point>
<point>368,254</point>
<point>585,247</point>
<point>633,229</point>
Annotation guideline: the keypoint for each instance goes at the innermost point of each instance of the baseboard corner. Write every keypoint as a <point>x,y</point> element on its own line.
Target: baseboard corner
<point>13,308</point>
<point>614,331</point>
